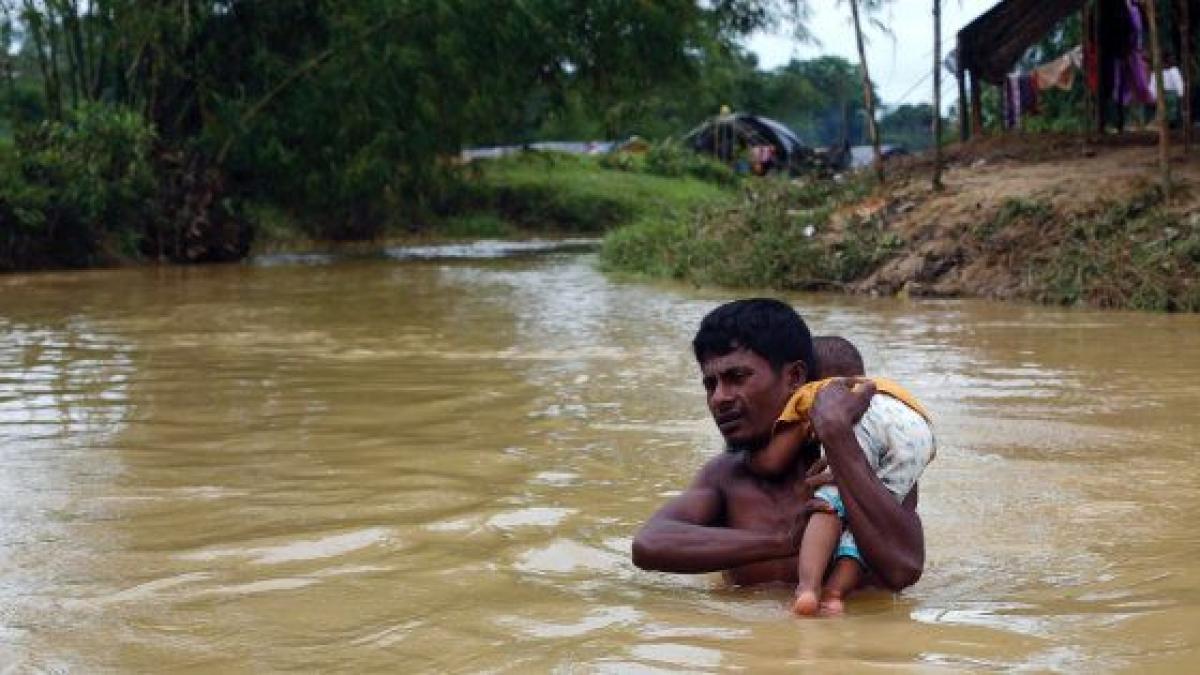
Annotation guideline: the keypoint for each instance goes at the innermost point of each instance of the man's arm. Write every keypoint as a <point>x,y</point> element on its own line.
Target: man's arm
<point>681,536</point>
<point>888,533</point>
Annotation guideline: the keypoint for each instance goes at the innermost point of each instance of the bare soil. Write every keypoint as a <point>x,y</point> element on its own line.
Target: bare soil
<point>974,239</point>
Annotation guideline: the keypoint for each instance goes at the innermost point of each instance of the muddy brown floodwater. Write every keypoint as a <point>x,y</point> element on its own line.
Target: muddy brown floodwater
<point>437,465</point>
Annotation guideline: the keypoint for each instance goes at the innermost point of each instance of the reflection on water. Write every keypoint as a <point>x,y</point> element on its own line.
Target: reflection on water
<point>419,464</point>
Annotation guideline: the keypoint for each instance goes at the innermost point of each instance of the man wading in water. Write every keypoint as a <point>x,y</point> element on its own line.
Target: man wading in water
<point>737,519</point>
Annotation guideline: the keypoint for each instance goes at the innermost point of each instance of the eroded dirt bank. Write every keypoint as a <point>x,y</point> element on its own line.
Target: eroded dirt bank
<point>1053,219</point>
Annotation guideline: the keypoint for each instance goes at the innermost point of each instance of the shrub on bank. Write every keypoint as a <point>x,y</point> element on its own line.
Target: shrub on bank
<point>76,193</point>
<point>778,235</point>
<point>669,158</point>
<point>1134,254</point>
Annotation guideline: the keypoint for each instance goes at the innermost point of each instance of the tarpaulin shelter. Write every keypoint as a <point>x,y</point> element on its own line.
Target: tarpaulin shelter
<point>991,45</point>
<point>724,134</point>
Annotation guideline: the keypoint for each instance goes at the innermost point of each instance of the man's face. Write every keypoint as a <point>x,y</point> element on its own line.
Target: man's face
<point>745,396</point>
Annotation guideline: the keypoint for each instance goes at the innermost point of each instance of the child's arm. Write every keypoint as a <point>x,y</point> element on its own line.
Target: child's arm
<point>781,451</point>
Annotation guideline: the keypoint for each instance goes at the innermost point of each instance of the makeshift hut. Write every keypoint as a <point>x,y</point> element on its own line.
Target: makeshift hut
<point>728,134</point>
<point>991,45</point>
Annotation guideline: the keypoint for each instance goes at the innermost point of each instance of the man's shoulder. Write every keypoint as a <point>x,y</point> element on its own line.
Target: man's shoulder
<point>721,467</point>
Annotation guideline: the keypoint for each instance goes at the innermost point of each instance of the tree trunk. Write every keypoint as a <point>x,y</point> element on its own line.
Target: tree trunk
<point>1102,74</point>
<point>868,98</point>
<point>1186,69</point>
<point>976,106</point>
<point>964,123</point>
<point>937,94</point>
<point>35,22</point>
<point>1164,133</point>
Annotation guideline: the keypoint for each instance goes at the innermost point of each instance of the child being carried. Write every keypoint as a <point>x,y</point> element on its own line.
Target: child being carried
<point>895,435</point>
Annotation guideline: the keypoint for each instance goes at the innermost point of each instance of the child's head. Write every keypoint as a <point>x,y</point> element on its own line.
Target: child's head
<point>836,357</point>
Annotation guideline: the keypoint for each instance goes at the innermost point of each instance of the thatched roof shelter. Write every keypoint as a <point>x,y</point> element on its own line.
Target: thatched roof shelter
<point>990,45</point>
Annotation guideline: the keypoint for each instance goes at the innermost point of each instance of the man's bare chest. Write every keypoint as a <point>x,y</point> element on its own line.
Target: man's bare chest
<point>764,507</point>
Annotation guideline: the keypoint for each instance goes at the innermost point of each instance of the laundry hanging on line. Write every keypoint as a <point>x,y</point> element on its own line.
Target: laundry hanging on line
<point>1021,93</point>
<point>1172,82</point>
<point>1059,73</point>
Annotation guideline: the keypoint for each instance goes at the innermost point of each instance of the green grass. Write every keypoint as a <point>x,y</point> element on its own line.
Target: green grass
<point>775,235</point>
<point>474,226</point>
<point>574,193</point>
<point>562,194</point>
<point>1134,254</point>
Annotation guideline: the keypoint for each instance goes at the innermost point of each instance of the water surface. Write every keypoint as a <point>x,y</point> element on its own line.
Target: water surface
<point>437,464</point>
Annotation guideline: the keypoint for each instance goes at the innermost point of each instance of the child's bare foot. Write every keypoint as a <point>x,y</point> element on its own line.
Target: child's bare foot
<point>831,605</point>
<point>806,603</point>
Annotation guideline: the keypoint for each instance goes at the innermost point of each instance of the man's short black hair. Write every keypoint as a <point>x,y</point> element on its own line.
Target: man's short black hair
<point>767,327</point>
<point>837,357</point>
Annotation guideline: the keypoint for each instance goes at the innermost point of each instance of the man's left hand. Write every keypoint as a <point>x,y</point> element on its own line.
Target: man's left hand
<point>840,404</point>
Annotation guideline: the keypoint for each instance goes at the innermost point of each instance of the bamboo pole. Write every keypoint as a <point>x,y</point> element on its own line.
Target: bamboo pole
<point>868,96</point>
<point>1186,70</point>
<point>1101,73</point>
<point>1089,46</point>
<point>976,106</point>
<point>937,95</point>
<point>964,124</point>
<point>1164,133</point>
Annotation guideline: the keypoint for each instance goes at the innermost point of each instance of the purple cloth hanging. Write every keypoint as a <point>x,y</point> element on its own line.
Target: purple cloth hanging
<point>1132,74</point>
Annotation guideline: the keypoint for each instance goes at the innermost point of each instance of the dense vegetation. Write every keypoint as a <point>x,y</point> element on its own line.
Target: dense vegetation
<point>341,114</point>
<point>166,130</point>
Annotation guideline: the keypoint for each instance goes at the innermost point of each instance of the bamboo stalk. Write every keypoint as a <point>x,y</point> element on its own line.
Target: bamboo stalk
<point>1164,134</point>
<point>937,95</point>
<point>1186,70</point>
<point>868,97</point>
<point>964,124</point>
<point>976,105</point>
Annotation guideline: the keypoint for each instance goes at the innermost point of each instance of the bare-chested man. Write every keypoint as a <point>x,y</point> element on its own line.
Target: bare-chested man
<point>753,355</point>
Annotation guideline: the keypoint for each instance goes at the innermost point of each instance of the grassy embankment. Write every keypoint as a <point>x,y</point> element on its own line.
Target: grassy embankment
<point>773,235</point>
<point>1041,221</point>
<point>545,195</point>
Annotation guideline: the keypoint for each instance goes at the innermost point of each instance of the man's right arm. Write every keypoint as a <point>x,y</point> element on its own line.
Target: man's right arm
<point>682,537</point>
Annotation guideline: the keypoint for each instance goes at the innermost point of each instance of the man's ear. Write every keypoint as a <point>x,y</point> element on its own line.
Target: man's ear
<point>796,374</point>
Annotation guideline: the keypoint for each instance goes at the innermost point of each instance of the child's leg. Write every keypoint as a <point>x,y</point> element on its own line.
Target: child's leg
<point>845,577</point>
<point>816,549</point>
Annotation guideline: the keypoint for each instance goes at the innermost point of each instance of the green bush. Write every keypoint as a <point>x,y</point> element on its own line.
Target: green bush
<point>774,236</point>
<point>78,192</point>
<point>1134,254</point>
<point>671,159</point>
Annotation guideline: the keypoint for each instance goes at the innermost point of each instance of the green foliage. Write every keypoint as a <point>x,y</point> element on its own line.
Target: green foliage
<point>564,193</point>
<point>475,226</point>
<point>1014,210</point>
<point>910,126</point>
<point>1134,254</point>
<point>345,112</point>
<point>777,235</point>
<point>78,192</point>
<point>671,159</point>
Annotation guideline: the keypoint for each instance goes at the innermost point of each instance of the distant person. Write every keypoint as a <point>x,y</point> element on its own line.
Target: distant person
<point>826,540</point>
<point>763,159</point>
<point>745,520</point>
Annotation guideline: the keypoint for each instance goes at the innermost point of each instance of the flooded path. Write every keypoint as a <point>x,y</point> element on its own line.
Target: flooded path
<point>437,465</point>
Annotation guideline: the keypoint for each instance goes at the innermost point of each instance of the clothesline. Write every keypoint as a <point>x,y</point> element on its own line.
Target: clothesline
<point>1022,91</point>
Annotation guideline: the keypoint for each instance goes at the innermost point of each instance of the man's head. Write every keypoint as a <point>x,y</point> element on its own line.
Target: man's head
<point>836,357</point>
<point>753,355</point>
